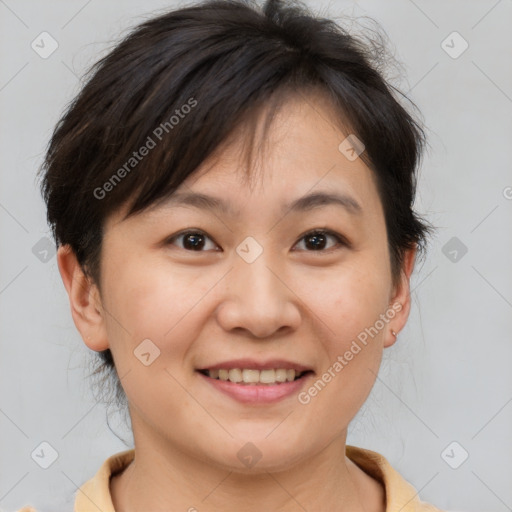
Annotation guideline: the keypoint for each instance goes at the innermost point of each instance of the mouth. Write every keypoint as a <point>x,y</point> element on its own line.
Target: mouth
<point>253,382</point>
<point>255,377</point>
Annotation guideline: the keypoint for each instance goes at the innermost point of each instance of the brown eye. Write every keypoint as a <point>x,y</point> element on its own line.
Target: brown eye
<point>192,240</point>
<point>318,240</point>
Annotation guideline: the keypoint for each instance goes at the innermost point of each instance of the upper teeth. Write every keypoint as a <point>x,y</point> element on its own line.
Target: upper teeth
<point>249,376</point>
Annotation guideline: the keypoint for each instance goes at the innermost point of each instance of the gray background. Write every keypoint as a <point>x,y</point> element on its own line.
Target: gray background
<point>448,377</point>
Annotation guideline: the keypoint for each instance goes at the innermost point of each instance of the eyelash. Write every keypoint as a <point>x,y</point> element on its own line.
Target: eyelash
<point>341,241</point>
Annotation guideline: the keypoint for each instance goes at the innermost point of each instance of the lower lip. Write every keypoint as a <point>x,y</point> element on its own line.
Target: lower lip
<point>257,393</point>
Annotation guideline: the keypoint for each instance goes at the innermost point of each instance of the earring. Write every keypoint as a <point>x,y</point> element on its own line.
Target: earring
<point>393,333</point>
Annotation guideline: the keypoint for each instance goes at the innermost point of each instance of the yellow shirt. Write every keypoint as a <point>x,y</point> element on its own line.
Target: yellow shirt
<point>400,495</point>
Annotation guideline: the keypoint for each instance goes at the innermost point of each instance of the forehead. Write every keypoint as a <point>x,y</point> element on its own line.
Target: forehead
<point>302,151</point>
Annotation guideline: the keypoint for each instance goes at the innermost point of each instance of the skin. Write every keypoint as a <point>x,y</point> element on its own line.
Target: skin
<point>202,308</point>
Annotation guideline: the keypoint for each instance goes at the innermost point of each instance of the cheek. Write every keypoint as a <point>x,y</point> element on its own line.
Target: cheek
<point>350,303</point>
<point>150,325</point>
<point>141,304</point>
<point>350,298</point>
<point>149,301</point>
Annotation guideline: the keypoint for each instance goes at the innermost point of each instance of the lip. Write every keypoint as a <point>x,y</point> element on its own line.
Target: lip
<point>252,364</point>
<point>256,393</point>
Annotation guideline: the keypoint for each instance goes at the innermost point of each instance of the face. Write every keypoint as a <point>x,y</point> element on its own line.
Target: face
<point>257,286</point>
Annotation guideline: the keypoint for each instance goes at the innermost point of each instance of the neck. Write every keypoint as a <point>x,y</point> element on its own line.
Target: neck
<point>163,478</point>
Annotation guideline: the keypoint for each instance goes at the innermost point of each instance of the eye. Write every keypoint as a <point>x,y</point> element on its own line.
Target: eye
<point>193,240</point>
<point>316,240</point>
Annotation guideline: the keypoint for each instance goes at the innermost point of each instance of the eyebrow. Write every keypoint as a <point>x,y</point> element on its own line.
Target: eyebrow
<point>304,203</point>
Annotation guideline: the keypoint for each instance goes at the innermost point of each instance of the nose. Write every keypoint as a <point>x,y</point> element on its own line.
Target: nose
<point>258,299</point>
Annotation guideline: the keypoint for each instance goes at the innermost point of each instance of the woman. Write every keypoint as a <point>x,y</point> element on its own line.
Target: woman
<point>231,196</point>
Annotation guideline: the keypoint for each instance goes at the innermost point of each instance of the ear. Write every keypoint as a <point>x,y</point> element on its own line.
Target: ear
<point>84,299</point>
<point>400,300</point>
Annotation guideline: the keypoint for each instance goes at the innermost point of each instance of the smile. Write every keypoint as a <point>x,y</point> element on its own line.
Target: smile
<point>254,377</point>
<point>255,387</point>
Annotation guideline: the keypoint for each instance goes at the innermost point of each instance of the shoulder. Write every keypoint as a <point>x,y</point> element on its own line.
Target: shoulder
<point>400,494</point>
<point>97,488</point>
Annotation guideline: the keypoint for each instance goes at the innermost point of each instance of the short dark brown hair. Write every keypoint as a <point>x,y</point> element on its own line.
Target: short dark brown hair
<point>192,78</point>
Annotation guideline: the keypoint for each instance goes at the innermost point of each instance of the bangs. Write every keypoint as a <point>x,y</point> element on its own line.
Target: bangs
<point>184,85</point>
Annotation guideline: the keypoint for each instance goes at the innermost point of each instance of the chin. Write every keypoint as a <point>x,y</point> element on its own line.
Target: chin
<point>261,455</point>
